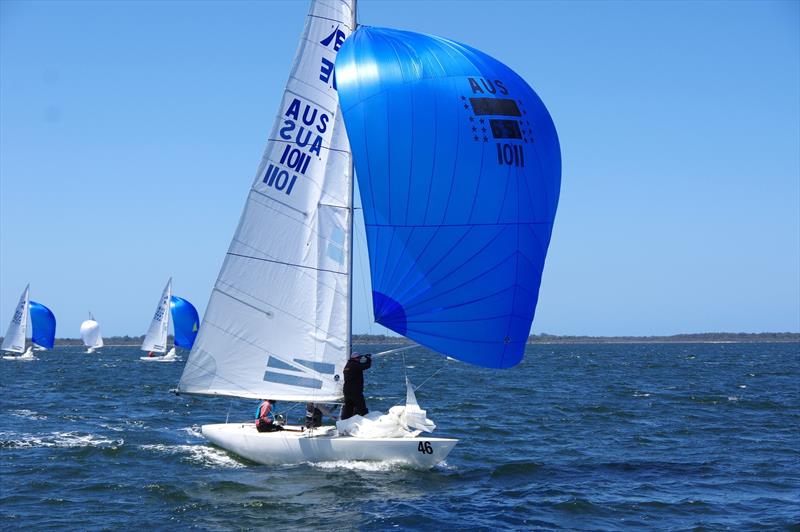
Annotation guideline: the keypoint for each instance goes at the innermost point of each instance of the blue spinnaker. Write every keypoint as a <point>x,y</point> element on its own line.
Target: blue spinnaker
<point>44,325</point>
<point>459,169</point>
<point>185,322</point>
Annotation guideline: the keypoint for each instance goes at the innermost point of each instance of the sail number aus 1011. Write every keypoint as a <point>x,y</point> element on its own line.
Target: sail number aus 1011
<point>425,447</point>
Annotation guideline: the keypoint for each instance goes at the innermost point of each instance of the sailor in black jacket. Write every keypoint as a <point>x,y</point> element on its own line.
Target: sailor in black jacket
<point>354,402</point>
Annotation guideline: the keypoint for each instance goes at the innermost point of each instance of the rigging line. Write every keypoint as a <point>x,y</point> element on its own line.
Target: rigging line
<point>421,385</point>
<point>286,263</point>
<point>293,143</point>
<point>330,20</point>
<point>295,209</point>
<point>279,309</point>
<point>405,368</point>
<point>313,278</point>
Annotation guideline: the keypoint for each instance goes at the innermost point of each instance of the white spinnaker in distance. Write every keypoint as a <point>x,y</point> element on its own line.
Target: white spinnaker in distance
<point>90,333</point>
<point>156,338</point>
<point>277,323</point>
<point>14,340</point>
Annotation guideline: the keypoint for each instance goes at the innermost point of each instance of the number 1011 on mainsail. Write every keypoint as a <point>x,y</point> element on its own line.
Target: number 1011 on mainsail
<point>457,235</point>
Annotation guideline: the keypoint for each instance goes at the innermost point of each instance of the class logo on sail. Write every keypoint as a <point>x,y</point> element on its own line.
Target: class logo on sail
<point>326,71</point>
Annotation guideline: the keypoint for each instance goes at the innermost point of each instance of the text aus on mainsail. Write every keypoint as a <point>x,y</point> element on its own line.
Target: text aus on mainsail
<point>459,171</point>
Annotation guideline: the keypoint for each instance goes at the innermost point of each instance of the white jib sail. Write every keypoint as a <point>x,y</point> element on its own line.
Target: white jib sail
<point>90,333</point>
<point>14,340</point>
<point>277,324</point>
<point>156,338</point>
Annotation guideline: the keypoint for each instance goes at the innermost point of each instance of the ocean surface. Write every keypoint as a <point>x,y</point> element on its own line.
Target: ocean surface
<point>668,436</point>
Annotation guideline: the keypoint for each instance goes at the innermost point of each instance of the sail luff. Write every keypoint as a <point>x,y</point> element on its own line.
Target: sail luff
<point>14,340</point>
<point>277,321</point>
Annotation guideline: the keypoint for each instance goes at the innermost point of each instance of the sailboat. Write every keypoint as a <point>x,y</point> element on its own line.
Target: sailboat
<point>43,328</point>
<point>185,322</point>
<point>459,171</point>
<point>90,333</point>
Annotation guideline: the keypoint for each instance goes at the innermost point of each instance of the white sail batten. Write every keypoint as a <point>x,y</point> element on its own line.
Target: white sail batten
<point>276,325</point>
<point>14,340</point>
<point>156,338</point>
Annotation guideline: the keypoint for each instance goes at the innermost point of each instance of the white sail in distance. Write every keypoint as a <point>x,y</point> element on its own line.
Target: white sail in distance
<point>278,321</point>
<point>90,333</point>
<point>156,338</point>
<point>14,340</point>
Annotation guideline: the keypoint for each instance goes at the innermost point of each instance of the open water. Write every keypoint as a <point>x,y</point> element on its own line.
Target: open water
<point>576,437</point>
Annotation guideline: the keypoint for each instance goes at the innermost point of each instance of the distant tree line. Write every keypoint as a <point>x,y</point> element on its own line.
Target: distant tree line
<point>542,338</point>
<point>545,338</point>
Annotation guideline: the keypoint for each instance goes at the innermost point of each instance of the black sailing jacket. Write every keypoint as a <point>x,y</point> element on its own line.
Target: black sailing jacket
<point>354,375</point>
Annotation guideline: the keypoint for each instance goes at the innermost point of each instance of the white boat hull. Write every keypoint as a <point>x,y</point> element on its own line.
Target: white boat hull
<point>27,355</point>
<point>325,445</point>
<point>169,357</point>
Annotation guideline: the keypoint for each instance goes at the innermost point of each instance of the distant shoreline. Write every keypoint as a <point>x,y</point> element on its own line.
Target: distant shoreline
<point>543,339</point>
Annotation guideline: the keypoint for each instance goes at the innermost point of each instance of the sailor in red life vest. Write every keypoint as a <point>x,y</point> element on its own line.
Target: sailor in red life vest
<point>265,419</point>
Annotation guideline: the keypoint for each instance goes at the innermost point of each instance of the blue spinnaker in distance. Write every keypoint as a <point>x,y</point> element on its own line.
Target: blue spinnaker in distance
<point>44,325</point>
<point>459,169</point>
<point>185,322</point>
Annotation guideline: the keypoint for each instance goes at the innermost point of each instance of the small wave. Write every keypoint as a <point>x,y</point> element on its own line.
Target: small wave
<point>576,505</point>
<point>58,439</point>
<point>514,469</point>
<point>193,431</point>
<point>641,394</point>
<point>742,386</point>
<point>732,398</point>
<point>29,414</point>
<point>199,454</point>
<point>356,465</point>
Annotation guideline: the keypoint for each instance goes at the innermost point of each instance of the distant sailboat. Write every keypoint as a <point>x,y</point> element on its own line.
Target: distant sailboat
<point>185,323</point>
<point>43,326</point>
<point>459,171</point>
<point>90,333</point>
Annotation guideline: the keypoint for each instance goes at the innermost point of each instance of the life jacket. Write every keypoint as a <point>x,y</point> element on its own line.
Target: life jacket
<point>264,413</point>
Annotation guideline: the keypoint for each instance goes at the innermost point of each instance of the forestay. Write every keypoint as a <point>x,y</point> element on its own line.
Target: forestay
<point>14,340</point>
<point>459,169</point>
<point>277,323</point>
<point>156,338</point>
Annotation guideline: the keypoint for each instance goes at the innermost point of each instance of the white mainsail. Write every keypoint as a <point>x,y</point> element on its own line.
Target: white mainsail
<point>278,321</point>
<point>90,333</point>
<point>14,340</point>
<point>156,338</point>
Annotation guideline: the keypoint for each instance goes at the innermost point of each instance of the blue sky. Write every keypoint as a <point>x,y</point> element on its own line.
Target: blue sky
<point>130,133</point>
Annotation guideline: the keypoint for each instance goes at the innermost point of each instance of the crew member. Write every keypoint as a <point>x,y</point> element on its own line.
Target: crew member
<point>314,414</point>
<point>354,402</point>
<point>265,419</point>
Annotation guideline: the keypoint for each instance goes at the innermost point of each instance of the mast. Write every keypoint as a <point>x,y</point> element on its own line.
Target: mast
<point>351,193</point>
